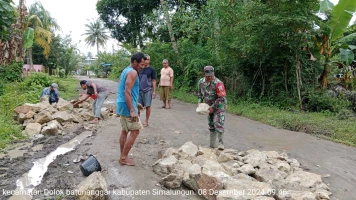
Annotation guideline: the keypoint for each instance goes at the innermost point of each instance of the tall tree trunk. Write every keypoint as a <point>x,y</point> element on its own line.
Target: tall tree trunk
<point>169,26</point>
<point>314,71</point>
<point>21,51</point>
<point>325,51</point>
<point>97,49</point>
<point>170,30</point>
<point>299,79</point>
<point>263,80</point>
<point>30,59</point>
<point>323,80</point>
<point>21,3</point>
<point>286,78</point>
<point>216,37</point>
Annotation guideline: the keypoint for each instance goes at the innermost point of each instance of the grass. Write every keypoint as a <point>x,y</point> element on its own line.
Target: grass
<point>322,124</point>
<point>16,94</point>
<point>68,87</point>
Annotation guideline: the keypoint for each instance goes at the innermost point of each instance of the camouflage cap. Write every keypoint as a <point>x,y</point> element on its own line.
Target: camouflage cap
<point>209,71</point>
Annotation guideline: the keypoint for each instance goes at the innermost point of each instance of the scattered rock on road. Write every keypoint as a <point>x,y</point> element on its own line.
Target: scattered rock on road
<point>50,119</point>
<point>234,175</point>
<point>93,187</point>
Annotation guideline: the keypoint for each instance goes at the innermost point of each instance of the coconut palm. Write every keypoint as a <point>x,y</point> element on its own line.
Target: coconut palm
<point>96,34</point>
<point>44,25</point>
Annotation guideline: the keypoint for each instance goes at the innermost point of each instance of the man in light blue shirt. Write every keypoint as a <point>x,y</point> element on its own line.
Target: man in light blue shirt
<point>126,106</point>
<point>51,92</point>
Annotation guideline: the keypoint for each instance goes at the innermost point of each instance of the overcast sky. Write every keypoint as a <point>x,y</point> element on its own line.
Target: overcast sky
<point>72,15</point>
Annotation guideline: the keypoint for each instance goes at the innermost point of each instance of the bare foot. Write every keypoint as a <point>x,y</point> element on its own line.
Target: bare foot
<point>95,121</point>
<point>127,161</point>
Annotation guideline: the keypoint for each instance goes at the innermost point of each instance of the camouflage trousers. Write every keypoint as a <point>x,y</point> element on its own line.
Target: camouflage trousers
<point>216,121</point>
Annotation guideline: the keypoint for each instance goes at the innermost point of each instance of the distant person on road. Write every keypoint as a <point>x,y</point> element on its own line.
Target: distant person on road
<point>147,78</point>
<point>127,106</point>
<point>166,84</point>
<point>51,92</point>
<point>98,93</point>
<point>212,92</point>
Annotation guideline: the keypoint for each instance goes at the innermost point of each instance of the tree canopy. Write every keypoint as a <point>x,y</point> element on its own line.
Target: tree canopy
<point>130,21</point>
<point>260,49</point>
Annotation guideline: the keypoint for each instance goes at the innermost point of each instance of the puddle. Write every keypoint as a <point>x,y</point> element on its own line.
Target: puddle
<point>14,153</point>
<point>30,180</point>
<point>17,152</point>
<point>37,147</point>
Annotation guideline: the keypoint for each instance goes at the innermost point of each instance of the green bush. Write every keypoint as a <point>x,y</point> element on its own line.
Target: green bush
<point>13,97</point>
<point>352,98</point>
<point>34,84</point>
<point>11,72</point>
<point>62,73</point>
<point>319,101</point>
<point>97,72</point>
<point>38,79</point>
<point>2,88</point>
<point>345,114</point>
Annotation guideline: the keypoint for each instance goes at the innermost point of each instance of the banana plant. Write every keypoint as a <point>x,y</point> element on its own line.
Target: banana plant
<point>28,37</point>
<point>332,43</point>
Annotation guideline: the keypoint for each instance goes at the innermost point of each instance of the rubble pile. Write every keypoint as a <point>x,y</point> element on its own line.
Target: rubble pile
<point>235,175</point>
<point>45,119</point>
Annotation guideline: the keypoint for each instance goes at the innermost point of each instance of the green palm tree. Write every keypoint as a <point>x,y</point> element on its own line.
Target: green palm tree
<point>96,34</point>
<point>44,25</point>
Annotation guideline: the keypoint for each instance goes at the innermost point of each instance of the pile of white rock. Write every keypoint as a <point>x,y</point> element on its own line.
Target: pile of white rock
<point>234,175</point>
<point>45,119</point>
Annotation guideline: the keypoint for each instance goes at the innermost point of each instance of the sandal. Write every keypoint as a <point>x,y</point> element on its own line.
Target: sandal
<point>145,125</point>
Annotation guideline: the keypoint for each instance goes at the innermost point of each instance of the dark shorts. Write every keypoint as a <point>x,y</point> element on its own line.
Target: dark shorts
<point>145,98</point>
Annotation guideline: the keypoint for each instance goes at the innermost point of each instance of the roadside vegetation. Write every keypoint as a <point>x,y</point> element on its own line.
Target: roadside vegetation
<point>27,91</point>
<point>27,36</point>
<point>328,125</point>
<point>291,64</point>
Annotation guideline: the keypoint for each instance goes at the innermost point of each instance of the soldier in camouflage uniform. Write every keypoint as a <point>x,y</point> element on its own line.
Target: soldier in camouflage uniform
<point>212,92</point>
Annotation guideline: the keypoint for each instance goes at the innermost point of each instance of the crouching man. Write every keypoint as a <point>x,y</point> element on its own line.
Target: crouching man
<point>51,92</point>
<point>99,93</point>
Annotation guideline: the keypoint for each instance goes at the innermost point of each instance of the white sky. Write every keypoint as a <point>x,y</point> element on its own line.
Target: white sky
<point>72,15</point>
